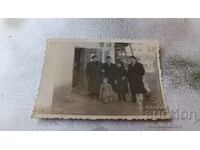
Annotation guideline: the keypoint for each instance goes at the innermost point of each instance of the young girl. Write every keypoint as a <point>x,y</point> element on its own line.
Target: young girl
<point>105,93</point>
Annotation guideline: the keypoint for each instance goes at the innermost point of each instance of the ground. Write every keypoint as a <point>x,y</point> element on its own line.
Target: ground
<point>80,103</point>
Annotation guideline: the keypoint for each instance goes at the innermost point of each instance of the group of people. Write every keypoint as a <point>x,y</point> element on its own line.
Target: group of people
<point>104,79</point>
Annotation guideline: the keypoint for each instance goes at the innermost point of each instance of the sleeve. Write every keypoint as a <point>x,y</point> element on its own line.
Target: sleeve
<point>115,73</point>
<point>142,71</point>
<point>128,72</point>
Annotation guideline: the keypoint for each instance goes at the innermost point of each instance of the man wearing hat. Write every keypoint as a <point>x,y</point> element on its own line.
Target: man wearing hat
<point>135,77</point>
<point>94,72</point>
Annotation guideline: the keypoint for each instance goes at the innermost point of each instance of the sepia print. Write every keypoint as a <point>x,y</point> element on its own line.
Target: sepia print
<point>101,79</point>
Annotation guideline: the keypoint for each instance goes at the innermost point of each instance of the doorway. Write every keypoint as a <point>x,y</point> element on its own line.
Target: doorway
<point>82,57</point>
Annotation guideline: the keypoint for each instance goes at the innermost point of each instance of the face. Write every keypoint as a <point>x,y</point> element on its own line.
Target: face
<point>108,60</point>
<point>133,60</point>
<point>94,59</point>
<point>105,80</point>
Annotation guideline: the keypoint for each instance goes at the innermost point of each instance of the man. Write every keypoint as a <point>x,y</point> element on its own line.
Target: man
<point>110,69</point>
<point>135,77</point>
<point>94,72</point>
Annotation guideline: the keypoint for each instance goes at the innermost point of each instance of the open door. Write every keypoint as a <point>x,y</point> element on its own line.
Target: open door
<point>76,71</point>
<point>81,58</point>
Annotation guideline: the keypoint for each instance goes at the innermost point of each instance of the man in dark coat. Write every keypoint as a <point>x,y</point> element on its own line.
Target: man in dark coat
<point>109,70</point>
<point>94,74</point>
<point>135,77</point>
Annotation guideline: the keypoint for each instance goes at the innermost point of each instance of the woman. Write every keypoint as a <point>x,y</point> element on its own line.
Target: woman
<point>121,81</point>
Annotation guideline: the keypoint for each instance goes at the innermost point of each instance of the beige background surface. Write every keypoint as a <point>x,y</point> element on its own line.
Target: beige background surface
<point>22,54</point>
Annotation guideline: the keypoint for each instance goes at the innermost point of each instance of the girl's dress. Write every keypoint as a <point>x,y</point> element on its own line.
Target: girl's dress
<point>106,92</point>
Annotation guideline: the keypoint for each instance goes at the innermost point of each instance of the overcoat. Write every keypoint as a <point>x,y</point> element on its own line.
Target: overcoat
<point>109,72</point>
<point>135,78</point>
<point>94,72</point>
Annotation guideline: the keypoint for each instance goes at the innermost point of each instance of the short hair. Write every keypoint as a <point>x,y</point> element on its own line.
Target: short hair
<point>133,57</point>
<point>95,56</point>
<point>108,57</point>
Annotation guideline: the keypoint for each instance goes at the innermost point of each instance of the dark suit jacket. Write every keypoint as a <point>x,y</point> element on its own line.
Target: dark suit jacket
<point>110,73</point>
<point>94,73</point>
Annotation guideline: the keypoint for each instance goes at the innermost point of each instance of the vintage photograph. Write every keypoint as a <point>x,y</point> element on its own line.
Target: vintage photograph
<point>101,79</point>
